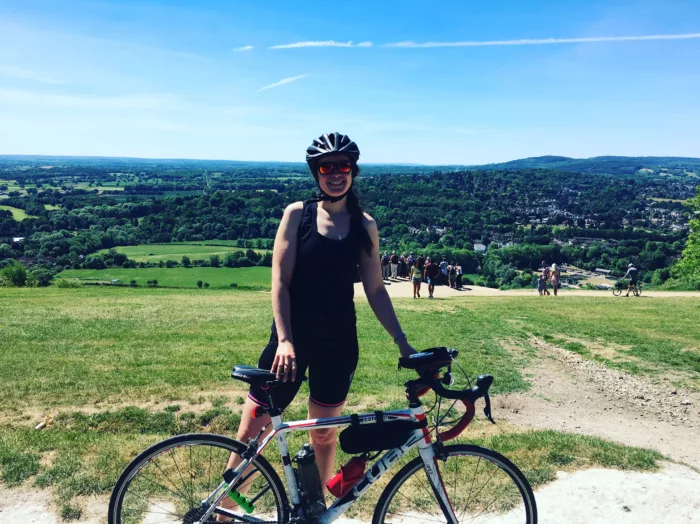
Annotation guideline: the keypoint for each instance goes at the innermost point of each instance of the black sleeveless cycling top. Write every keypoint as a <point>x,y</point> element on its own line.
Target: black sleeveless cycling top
<point>322,288</point>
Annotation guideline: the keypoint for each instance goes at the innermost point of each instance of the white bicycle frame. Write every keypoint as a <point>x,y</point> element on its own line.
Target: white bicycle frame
<point>419,437</point>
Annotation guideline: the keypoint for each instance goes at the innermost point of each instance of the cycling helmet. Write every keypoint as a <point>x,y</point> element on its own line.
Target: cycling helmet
<point>332,143</point>
<point>629,265</point>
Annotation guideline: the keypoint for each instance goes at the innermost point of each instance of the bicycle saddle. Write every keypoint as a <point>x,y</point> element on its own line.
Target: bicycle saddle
<point>256,376</point>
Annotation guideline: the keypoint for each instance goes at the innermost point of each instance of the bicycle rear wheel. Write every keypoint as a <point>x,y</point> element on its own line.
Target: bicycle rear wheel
<point>168,482</point>
<point>483,487</point>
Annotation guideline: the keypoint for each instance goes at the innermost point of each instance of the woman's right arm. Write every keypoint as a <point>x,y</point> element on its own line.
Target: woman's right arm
<point>283,258</point>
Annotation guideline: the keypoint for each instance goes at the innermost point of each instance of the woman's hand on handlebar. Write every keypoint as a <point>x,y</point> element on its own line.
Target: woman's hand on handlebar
<point>285,363</point>
<point>405,348</point>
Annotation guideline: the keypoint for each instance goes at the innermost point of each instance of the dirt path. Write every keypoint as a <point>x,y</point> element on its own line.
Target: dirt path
<point>404,289</point>
<point>576,395</point>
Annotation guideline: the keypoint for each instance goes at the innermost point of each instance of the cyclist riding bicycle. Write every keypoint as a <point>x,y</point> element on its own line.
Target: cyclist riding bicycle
<point>314,326</point>
<point>632,274</point>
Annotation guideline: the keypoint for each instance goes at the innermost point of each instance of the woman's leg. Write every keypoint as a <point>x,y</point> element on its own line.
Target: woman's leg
<point>249,428</point>
<point>415,290</point>
<point>324,440</point>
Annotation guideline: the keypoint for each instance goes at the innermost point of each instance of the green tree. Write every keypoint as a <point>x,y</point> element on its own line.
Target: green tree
<point>689,265</point>
<point>199,283</point>
<point>186,262</point>
<point>215,261</point>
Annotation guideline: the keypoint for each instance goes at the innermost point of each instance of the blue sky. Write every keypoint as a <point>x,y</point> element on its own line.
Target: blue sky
<point>461,82</point>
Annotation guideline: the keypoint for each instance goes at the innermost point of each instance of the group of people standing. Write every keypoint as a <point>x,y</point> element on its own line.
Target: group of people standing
<point>421,269</point>
<point>551,274</point>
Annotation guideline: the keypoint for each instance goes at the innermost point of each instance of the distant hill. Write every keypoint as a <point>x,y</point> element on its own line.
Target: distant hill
<point>600,165</point>
<point>604,165</point>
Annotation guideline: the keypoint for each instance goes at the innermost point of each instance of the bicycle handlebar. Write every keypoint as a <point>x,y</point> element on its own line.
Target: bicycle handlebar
<point>430,379</point>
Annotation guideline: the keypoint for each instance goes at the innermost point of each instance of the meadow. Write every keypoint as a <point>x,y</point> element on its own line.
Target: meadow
<point>186,277</point>
<point>175,251</point>
<point>121,368</point>
<point>17,213</point>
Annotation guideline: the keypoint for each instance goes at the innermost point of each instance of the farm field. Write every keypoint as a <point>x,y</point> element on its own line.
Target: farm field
<point>121,368</point>
<point>17,214</point>
<point>196,251</point>
<point>221,277</point>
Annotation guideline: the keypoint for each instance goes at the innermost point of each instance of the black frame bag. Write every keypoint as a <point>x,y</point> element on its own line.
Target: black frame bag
<point>379,436</point>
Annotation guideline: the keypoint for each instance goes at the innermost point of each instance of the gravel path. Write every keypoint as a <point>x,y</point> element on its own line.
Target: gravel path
<point>404,289</point>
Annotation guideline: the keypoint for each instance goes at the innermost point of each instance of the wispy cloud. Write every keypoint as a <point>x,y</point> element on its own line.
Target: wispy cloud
<point>26,74</point>
<point>543,41</point>
<point>287,80</point>
<point>243,48</point>
<point>321,43</point>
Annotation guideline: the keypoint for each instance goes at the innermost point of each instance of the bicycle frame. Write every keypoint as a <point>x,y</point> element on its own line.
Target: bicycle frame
<point>419,437</point>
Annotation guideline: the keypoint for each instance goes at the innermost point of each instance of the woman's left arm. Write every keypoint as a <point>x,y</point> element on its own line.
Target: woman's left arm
<point>379,301</point>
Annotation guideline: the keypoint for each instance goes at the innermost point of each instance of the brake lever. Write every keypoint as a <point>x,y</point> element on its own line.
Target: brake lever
<point>487,408</point>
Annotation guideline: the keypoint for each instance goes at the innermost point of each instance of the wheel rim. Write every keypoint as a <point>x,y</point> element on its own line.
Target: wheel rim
<point>481,490</point>
<point>169,486</point>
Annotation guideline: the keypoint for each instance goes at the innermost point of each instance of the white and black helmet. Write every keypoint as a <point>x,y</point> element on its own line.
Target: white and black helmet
<point>332,143</point>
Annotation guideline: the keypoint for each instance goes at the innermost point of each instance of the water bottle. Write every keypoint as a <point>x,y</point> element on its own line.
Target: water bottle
<point>310,486</point>
<point>347,477</point>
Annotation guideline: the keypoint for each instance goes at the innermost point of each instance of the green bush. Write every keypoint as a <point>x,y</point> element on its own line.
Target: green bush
<point>15,275</point>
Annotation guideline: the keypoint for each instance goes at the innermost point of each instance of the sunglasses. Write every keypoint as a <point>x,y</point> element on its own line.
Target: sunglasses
<point>326,168</point>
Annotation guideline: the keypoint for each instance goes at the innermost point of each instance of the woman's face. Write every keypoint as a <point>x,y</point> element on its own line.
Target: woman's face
<point>334,183</point>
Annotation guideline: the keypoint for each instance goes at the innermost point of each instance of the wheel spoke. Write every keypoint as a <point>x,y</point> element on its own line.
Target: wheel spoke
<point>495,488</point>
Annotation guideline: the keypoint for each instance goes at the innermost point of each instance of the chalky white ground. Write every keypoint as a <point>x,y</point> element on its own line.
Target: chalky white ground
<point>592,496</point>
<point>403,288</point>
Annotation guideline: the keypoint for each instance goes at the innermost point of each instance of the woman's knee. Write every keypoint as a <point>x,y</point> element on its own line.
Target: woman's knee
<point>324,437</point>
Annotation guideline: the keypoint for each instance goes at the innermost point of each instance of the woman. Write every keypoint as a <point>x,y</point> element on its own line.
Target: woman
<point>555,278</point>
<point>314,325</point>
<point>416,278</point>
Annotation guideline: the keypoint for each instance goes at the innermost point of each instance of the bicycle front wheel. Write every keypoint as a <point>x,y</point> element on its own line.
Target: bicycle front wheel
<point>617,291</point>
<point>483,487</point>
<point>168,482</point>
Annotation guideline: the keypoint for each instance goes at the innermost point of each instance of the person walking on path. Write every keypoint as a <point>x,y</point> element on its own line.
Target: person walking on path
<point>315,326</point>
<point>632,274</point>
<point>555,278</point>
<point>432,273</point>
<point>459,276</point>
<point>421,262</point>
<point>394,259</point>
<point>545,277</point>
<point>416,278</point>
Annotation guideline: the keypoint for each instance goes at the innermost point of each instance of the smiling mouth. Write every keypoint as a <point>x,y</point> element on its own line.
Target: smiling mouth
<point>337,185</point>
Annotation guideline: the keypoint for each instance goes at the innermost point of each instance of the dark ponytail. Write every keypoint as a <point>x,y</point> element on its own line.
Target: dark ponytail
<point>356,221</point>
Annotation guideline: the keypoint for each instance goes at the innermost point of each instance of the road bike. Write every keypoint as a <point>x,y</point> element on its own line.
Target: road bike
<point>622,285</point>
<point>182,479</point>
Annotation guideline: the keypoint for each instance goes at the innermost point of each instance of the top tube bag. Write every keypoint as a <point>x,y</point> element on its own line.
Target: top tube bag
<point>379,436</point>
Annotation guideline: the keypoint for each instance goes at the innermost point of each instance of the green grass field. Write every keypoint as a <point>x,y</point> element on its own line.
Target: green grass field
<point>121,368</point>
<point>17,214</point>
<point>218,277</point>
<point>195,250</point>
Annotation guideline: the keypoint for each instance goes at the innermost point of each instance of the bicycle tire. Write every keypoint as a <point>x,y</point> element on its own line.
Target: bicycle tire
<point>416,465</point>
<point>617,291</point>
<point>195,439</point>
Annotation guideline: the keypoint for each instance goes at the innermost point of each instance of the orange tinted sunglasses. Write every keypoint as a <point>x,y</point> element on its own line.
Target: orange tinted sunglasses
<point>326,168</point>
